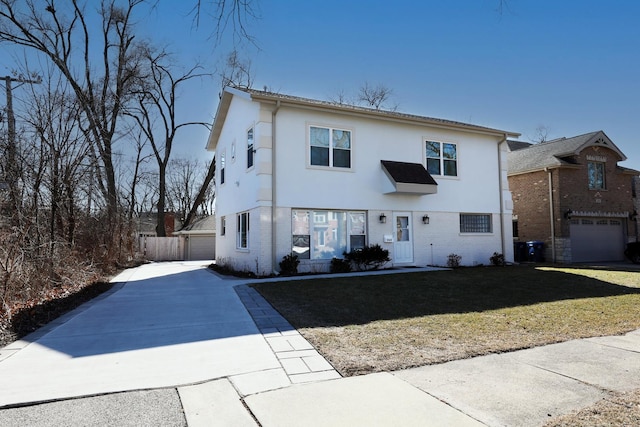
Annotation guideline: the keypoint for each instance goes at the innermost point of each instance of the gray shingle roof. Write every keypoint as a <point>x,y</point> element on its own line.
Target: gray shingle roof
<point>554,153</point>
<point>409,173</point>
<point>257,94</point>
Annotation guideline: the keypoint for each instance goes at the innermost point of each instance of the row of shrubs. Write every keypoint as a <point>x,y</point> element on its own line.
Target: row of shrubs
<point>368,258</point>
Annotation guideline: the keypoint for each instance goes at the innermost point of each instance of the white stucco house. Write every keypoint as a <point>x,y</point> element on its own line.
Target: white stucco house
<point>319,178</point>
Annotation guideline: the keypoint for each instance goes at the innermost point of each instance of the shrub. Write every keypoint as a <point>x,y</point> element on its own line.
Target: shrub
<point>497,259</point>
<point>289,265</point>
<point>339,265</point>
<point>368,258</point>
<point>453,260</point>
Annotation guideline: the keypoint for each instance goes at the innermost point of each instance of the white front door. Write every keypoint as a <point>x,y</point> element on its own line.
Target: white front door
<point>403,241</point>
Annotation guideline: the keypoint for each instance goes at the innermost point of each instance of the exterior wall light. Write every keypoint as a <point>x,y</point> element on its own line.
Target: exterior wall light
<point>383,218</point>
<point>568,214</point>
<point>425,219</point>
<point>633,215</point>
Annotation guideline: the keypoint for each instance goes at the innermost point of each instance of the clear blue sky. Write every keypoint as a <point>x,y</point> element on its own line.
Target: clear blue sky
<point>571,66</point>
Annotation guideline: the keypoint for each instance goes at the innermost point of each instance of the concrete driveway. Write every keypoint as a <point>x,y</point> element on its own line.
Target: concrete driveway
<point>165,324</point>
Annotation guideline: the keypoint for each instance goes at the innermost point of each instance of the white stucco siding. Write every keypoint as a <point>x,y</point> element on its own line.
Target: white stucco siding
<point>241,187</point>
<point>475,188</point>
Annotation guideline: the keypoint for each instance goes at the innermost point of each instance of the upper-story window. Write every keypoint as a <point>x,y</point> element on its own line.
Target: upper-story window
<point>596,175</point>
<point>250,151</point>
<point>222,165</point>
<point>330,147</point>
<point>442,158</point>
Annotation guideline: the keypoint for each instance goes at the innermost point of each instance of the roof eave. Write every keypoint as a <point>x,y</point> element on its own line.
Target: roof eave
<point>381,114</point>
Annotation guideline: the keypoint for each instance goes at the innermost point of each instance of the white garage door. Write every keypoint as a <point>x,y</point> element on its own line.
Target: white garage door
<point>201,247</point>
<point>597,239</point>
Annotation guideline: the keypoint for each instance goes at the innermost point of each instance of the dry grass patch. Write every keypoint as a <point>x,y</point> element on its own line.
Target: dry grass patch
<point>366,324</point>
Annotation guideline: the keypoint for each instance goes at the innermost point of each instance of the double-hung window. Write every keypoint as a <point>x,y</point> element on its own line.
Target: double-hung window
<point>442,158</point>
<point>329,147</point>
<point>596,175</point>
<point>475,223</point>
<point>250,151</point>
<point>242,234</point>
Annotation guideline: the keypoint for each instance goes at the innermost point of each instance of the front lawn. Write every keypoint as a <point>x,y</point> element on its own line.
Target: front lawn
<point>366,324</point>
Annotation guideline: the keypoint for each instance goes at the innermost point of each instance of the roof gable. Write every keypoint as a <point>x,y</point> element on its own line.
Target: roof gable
<point>558,152</point>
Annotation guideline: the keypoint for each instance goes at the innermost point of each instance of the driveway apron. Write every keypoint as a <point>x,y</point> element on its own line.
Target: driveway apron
<point>170,324</point>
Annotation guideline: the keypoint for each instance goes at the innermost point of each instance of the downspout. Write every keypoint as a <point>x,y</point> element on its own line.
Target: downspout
<point>274,259</point>
<point>551,220</point>
<point>500,189</point>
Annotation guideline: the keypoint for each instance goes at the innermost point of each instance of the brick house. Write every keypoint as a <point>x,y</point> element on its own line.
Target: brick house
<point>571,194</point>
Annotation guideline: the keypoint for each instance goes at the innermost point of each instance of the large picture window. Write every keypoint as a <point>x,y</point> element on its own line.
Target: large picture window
<point>596,175</point>
<point>442,158</point>
<point>329,147</point>
<point>242,235</point>
<point>326,234</point>
<point>475,223</point>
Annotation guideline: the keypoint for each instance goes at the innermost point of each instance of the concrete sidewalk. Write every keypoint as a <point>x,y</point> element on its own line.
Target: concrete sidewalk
<point>175,345</point>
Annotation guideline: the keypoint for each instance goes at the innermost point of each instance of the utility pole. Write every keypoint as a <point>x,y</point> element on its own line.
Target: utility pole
<point>10,177</point>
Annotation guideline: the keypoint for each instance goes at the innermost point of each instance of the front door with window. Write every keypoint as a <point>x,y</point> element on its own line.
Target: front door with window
<point>403,242</point>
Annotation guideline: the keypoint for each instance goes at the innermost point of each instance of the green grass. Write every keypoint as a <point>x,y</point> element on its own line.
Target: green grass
<point>367,324</point>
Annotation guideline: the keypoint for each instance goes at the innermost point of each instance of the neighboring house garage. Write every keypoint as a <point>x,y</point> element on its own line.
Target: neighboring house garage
<point>597,239</point>
<point>572,195</point>
<point>200,239</point>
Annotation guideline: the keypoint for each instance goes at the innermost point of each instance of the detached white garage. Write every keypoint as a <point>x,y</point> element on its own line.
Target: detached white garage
<point>199,239</point>
<point>597,239</point>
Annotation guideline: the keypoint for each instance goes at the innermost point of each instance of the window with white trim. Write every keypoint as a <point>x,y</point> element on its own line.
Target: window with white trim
<point>242,231</point>
<point>329,147</point>
<point>475,223</point>
<point>250,151</point>
<point>442,158</point>
<point>327,234</point>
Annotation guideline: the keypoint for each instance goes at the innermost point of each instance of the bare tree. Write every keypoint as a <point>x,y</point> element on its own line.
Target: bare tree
<point>100,83</point>
<point>237,72</point>
<point>202,193</point>
<point>541,134</point>
<point>228,13</point>
<point>155,114</point>
<point>375,96</point>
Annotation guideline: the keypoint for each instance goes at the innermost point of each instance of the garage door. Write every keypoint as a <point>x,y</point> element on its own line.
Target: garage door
<point>597,239</point>
<point>201,247</point>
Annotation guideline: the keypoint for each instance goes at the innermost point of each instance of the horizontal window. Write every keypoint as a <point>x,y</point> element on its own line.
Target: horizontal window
<point>326,234</point>
<point>475,223</point>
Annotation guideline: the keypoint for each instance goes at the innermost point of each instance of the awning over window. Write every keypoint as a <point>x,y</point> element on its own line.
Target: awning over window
<point>409,178</point>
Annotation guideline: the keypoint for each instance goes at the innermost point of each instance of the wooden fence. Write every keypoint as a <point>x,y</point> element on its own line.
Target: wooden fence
<point>162,248</point>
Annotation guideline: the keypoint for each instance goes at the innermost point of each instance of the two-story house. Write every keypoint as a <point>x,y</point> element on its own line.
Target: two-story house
<point>317,179</point>
<point>571,194</point>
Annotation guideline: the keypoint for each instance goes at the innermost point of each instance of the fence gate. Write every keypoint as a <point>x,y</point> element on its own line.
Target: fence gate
<point>162,248</point>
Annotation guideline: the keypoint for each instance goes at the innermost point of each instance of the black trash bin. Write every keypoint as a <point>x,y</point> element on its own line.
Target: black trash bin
<point>520,252</point>
<point>535,251</point>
